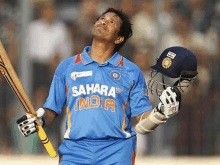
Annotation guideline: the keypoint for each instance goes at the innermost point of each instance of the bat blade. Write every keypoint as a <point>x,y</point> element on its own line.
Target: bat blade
<point>11,77</point>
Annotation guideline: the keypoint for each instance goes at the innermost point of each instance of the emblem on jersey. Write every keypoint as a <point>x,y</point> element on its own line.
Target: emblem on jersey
<point>166,63</point>
<point>115,75</point>
<point>75,75</point>
<point>171,55</point>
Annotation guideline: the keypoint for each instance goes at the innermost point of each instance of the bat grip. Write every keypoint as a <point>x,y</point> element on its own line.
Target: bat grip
<point>44,139</point>
<point>46,142</point>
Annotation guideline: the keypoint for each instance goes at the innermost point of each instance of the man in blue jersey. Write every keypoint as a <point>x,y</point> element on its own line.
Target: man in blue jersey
<point>102,91</point>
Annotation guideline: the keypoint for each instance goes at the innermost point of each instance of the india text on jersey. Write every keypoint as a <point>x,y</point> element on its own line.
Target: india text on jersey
<point>95,101</point>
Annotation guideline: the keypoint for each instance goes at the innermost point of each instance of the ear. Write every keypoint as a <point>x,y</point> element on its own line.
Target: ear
<point>119,40</point>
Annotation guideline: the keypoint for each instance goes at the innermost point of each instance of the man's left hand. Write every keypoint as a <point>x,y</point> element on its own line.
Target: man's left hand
<point>170,101</point>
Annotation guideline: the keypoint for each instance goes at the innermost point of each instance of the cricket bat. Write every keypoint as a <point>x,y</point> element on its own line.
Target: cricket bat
<point>10,75</point>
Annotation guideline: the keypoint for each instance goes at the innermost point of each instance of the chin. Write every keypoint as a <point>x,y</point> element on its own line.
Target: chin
<point>98,35</point>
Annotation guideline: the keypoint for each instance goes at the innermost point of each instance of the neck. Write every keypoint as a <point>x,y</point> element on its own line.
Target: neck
<point>101,51</point>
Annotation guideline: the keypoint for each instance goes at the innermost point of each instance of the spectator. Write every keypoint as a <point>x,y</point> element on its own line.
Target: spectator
<point>182,34</point>
<point>166,16</point>
<point>8,26</point>
<point>201,13</point>
<point>143,61</point>
<point>144,25</point>
<point>86,18</point>
<point>190,125</point>
<point>47,43</point>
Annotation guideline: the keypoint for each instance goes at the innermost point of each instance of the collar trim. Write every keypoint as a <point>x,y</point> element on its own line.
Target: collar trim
<point>119,60</point>
<point>82,59</point>
<point>77,60</point>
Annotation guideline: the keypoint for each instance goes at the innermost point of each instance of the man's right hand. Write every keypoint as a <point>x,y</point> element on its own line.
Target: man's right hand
<point>28,124</point>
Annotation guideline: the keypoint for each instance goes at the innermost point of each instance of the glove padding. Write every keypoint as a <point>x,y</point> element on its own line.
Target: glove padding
<point>27,124</point>
<point>170,100</point>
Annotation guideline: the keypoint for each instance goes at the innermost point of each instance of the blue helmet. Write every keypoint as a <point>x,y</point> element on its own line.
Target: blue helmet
<point>176,63</point>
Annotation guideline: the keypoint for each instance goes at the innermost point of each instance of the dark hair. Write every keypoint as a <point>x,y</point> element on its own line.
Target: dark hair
<point>125,29</point>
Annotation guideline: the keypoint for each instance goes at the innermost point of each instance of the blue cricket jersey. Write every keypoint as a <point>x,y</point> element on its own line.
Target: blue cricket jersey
<point>100,98</point>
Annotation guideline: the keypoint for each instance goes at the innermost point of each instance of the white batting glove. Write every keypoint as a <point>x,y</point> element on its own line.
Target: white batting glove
<point>28,124</point>
<point>169,102</point>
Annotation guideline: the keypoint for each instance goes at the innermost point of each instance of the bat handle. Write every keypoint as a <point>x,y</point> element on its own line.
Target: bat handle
<point>43,137</point>
<point>46,142</point>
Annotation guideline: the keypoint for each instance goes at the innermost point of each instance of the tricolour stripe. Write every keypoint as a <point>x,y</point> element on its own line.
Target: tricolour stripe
<point>82,59</point>
<point>119,60</point>
<point>69,124</point>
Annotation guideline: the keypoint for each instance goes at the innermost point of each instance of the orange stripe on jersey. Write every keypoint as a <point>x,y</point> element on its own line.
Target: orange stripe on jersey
<point>69,118</point>
<point>124,121</point>
<point>67,90</point>
<point>123,107</point>
<point>119,60</point>
<point>133,157</point>
<point>77,60</point>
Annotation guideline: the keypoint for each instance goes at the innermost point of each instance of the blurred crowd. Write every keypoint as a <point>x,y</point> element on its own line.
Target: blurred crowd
<point>61,28</point>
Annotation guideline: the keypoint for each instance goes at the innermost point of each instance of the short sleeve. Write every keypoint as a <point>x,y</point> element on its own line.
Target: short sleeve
<point>57,94</point>
<point>139,99</point>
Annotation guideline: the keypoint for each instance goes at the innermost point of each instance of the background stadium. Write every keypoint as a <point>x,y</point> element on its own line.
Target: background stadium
<point>191,137</point>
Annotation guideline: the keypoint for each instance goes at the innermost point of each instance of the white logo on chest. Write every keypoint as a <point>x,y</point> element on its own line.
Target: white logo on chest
<point>74,75</point>
<point>94,88</point>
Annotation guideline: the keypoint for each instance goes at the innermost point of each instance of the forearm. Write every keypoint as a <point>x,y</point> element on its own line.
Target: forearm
<point>149,121</point>
<point>143,116</point>
<point>49,117</point>
<point>167,107</point>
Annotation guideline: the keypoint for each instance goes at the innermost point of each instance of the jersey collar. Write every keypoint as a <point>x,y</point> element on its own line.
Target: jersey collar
<point>86,59</point>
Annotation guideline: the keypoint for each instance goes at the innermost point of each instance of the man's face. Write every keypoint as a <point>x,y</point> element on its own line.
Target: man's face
<point>107,28</point>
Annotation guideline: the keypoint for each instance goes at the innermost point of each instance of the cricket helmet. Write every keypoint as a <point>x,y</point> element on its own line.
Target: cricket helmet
<point>176,66</point>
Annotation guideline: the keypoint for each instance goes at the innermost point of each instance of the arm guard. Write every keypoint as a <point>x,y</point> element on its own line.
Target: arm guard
<point>148,124</point>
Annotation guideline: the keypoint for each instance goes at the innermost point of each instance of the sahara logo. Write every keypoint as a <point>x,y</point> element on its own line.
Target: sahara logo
<point>95,88</point>
<point>95,101</point>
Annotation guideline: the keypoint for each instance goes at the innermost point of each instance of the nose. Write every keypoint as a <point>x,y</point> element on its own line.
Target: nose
<point>103,22</point>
